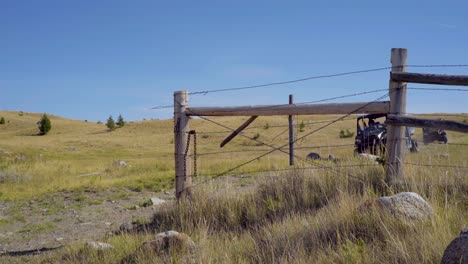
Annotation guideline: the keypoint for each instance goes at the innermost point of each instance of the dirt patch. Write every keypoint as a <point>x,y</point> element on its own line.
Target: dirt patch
<point>71,217</point>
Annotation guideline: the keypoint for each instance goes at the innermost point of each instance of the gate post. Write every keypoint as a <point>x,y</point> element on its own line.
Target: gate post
<point>291,133</point>
<point>183,174</point>
<point>395,134</point>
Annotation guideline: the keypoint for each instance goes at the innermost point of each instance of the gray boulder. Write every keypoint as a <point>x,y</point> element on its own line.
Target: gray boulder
<point>169,240</point>
<point>457,251</point>
<point>408,205</point>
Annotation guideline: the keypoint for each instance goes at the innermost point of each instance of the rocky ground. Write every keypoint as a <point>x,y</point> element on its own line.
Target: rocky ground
<point>71,217</point>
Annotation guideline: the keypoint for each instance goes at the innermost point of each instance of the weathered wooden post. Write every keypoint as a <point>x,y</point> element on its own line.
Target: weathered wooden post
<point>291,133</point>
<point>395,134</point>
<point>183,172</point>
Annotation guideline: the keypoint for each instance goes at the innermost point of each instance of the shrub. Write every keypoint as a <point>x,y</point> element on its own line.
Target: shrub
<point>302,126</point>
<point>99,122</point>
<point>120,121</point>
<point>110,123</point>
<point>2,121</point>
<point>44,125</point>
<point>346,133</point>
<point>267,126</point>
<point>256,136</point>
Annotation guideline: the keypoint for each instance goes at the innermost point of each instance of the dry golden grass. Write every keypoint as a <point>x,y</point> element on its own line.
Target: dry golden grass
<point>302,216</point>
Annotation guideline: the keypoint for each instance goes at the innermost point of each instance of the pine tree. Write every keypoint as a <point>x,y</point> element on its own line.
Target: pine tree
<point>2,121</point>
<point>120,121</point>
<point>301,126</point>
<point>44,125</point>
<point>110,123</point>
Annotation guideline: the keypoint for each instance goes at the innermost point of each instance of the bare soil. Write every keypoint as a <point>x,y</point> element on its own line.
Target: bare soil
<point>66,218</point>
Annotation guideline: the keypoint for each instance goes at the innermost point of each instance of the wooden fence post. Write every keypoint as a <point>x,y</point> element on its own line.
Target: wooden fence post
<point>183,177</point>
<point>291,133</point>
<point>395,134</point>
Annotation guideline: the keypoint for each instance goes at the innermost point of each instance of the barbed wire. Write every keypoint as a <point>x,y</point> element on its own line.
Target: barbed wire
<point>438,89</point>
<point>261,150</point>
<point>436,114</point>
<point>290,169</point>
<point>297,139</point>
<point>263,107</point>
<point>437,165</point>
<point>240,174</point>
<point>274,126</point>
<point>204,92</point>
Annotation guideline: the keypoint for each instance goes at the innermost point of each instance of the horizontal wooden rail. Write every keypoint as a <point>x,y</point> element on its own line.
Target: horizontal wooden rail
<point>461,80</point>
<point>397,120</point>
<point>311,109</point>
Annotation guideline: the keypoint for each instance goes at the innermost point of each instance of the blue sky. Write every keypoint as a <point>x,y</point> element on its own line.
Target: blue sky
<point>91,59</point>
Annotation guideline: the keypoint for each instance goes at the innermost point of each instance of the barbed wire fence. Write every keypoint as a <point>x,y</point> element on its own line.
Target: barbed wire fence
<point>312,164</point>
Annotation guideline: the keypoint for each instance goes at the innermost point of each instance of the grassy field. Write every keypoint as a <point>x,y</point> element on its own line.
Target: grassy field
<point>299,216</point>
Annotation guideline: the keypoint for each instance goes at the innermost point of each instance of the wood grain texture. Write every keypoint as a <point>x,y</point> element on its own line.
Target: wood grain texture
<point>237,131</point>
<point>272,110</point>
<point>397,120</point>
<point>461,80</point>
<point>183,173</point>
<point>395,134</point>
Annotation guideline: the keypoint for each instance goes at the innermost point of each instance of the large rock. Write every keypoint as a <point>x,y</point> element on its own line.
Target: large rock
<point>408,205</point>
<point>169,240</point>
<point>457,251</point>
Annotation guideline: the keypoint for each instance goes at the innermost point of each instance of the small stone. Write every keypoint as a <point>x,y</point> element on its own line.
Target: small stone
<point>20,157</point>
<point>126,227</point>
<point>167,193</point>
<point>58,239</point>
<point>122,163</point>
<point>157,201</point>
<point>442,155</point>
<point>98,245</point>
<point>73,148</point>
<point>108,223</point>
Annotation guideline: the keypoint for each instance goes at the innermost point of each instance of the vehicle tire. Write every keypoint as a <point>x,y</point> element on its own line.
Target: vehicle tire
<point>444,139</point>
<point>414,146</point>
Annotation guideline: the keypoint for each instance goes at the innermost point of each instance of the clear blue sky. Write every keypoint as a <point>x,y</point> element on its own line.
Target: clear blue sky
<point>91,59</point>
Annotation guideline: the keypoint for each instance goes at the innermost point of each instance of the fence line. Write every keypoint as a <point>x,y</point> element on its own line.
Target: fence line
<point>397,92</point>
<point>282,146</point>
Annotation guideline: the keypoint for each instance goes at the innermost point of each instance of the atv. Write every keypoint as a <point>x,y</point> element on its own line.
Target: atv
<point>431,134</point>
<point>371,135</point>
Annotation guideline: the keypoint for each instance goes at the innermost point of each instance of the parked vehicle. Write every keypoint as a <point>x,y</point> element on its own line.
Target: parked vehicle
<point>371,135</point>
<point>432,134</point>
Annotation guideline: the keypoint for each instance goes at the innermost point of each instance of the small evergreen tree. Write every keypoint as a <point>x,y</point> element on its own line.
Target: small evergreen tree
<point>120,121</point>
<point>44,125</point>
<point>302,126</point>
<point>110,123</point>
<point>2,121</point>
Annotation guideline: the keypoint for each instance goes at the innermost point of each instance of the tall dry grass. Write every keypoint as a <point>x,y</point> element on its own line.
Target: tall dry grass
<point>303,217</point>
